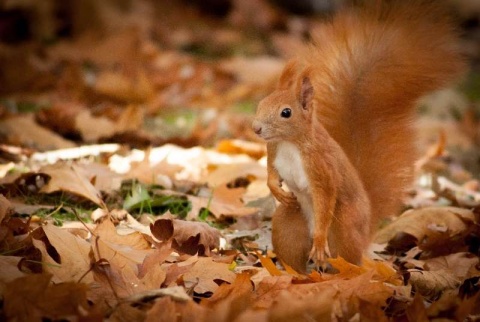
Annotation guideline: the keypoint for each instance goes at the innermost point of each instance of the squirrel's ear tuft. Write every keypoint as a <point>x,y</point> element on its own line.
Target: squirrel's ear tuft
<point>289,75</point>
<point>306,92</point>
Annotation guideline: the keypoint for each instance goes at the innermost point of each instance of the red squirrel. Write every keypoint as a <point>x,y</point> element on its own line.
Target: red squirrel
<point>339,126</point>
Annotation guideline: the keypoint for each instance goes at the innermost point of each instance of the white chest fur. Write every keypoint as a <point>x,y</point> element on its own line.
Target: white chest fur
<point>290,167</point>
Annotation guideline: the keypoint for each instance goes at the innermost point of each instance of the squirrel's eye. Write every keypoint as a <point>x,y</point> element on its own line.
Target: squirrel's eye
<point>286,113</point>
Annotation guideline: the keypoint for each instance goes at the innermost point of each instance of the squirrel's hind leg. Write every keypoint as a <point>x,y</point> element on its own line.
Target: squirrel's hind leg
<point>350,237</point>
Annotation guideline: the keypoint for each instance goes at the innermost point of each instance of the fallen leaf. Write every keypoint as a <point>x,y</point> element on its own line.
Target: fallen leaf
<point>224,202</point>
<point>119,86</point>
<point>24,131</point>
<point>70,178</point>
<point>33,298</point>
<point>127,312</point>
<point>202,276</point>
<point>269,265</point>
<point>73,253</point>
<point>431,283</point>
<point>268,290</point>
<point>9,270</point>
<point>166,309</point>
<point>346,269</point>
<point>459,264</point>
<point>312,307</point>
<point>107,232</point>
<point>241,285</point>
<point>417,311</point>
<point>418,222</point>
<point>230,300</point>
<point>189,237</point>
<point>6,208</point>
<point>92,128</point>
<point>224,173</point>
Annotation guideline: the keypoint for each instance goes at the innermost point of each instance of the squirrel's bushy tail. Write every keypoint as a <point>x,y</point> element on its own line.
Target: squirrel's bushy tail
<point>369,66</point>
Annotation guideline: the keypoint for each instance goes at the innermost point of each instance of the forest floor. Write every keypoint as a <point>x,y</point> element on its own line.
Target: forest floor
<point>132,187</point>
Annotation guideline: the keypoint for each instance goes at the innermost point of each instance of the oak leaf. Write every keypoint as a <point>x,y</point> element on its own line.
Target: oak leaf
<point>73,252</point>
<point>202,276</point>
<point>72,179</point>
<point>432,283</point>
<point>426,221</point>
<point>106,230</point>
<point>188,237</point>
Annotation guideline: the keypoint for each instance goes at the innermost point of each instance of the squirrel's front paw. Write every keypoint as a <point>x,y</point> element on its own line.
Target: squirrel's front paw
<point>288,199</point>
<point>319,252</point>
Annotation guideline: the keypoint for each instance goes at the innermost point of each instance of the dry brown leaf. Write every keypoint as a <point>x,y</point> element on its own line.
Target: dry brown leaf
<point>431,283</point>
<point>188,237</point>
<point>107,232</point>
<point>313,307</point>
<point>60,118</point>
<point>383,271</point>
<point>131,118</point>
<point>202,276</point>
<point>119,255</point>
<point>229,301</point>
<point>225,202</point>
<point>425,221</point>
<point>224,173</point>
<point>23,130</point>
<point>346,269</point>
<point>227,292</point>
<point>92,128</point>
<point>73,255</point>
<point>147,173</point>
<point>269,265</point>
<point>119,86</point>
<point>416,311</point>
<point>126,312</point>
<point>32,297</point>
<point>154,278</point>
<point>176,270</point>
<point>6,208</point>
<point>268,290</point>
<point>123,260</point>
<point>9,270</point>
<point>154,259</point>
<point>166,309</point>
<point>459,264</point>
<point>72,179</point>
<point>162,311</point>
<point>103,179</point>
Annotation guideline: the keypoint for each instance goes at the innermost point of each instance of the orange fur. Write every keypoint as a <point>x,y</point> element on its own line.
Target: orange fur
<point>367,68</point>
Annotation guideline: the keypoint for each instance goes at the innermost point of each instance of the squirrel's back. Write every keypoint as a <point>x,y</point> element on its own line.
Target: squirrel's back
<point>368,67</point>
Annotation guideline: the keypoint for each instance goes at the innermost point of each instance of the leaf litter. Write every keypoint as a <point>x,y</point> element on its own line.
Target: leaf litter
<point>164,215</point>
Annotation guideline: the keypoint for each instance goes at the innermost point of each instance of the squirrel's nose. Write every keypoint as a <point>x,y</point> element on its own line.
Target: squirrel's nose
<point>257,127</point>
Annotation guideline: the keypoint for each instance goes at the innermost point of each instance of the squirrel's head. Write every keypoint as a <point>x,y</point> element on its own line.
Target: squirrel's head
<point>286,112</point>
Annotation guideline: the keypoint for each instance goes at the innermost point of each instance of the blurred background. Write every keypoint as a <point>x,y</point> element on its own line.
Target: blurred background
<point>189,72</point>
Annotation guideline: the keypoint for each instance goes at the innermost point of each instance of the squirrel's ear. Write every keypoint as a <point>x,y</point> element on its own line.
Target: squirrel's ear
<point>306,92</point>
<point>289,73</point>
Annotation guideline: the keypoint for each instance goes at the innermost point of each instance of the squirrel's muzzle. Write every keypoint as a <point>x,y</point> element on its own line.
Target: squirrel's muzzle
<point>257,127</point>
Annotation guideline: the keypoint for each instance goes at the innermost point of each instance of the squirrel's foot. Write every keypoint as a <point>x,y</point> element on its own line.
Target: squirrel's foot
<point>320,252</point>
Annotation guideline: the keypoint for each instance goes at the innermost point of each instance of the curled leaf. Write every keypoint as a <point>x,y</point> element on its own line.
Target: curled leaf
<point>188,237</point>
